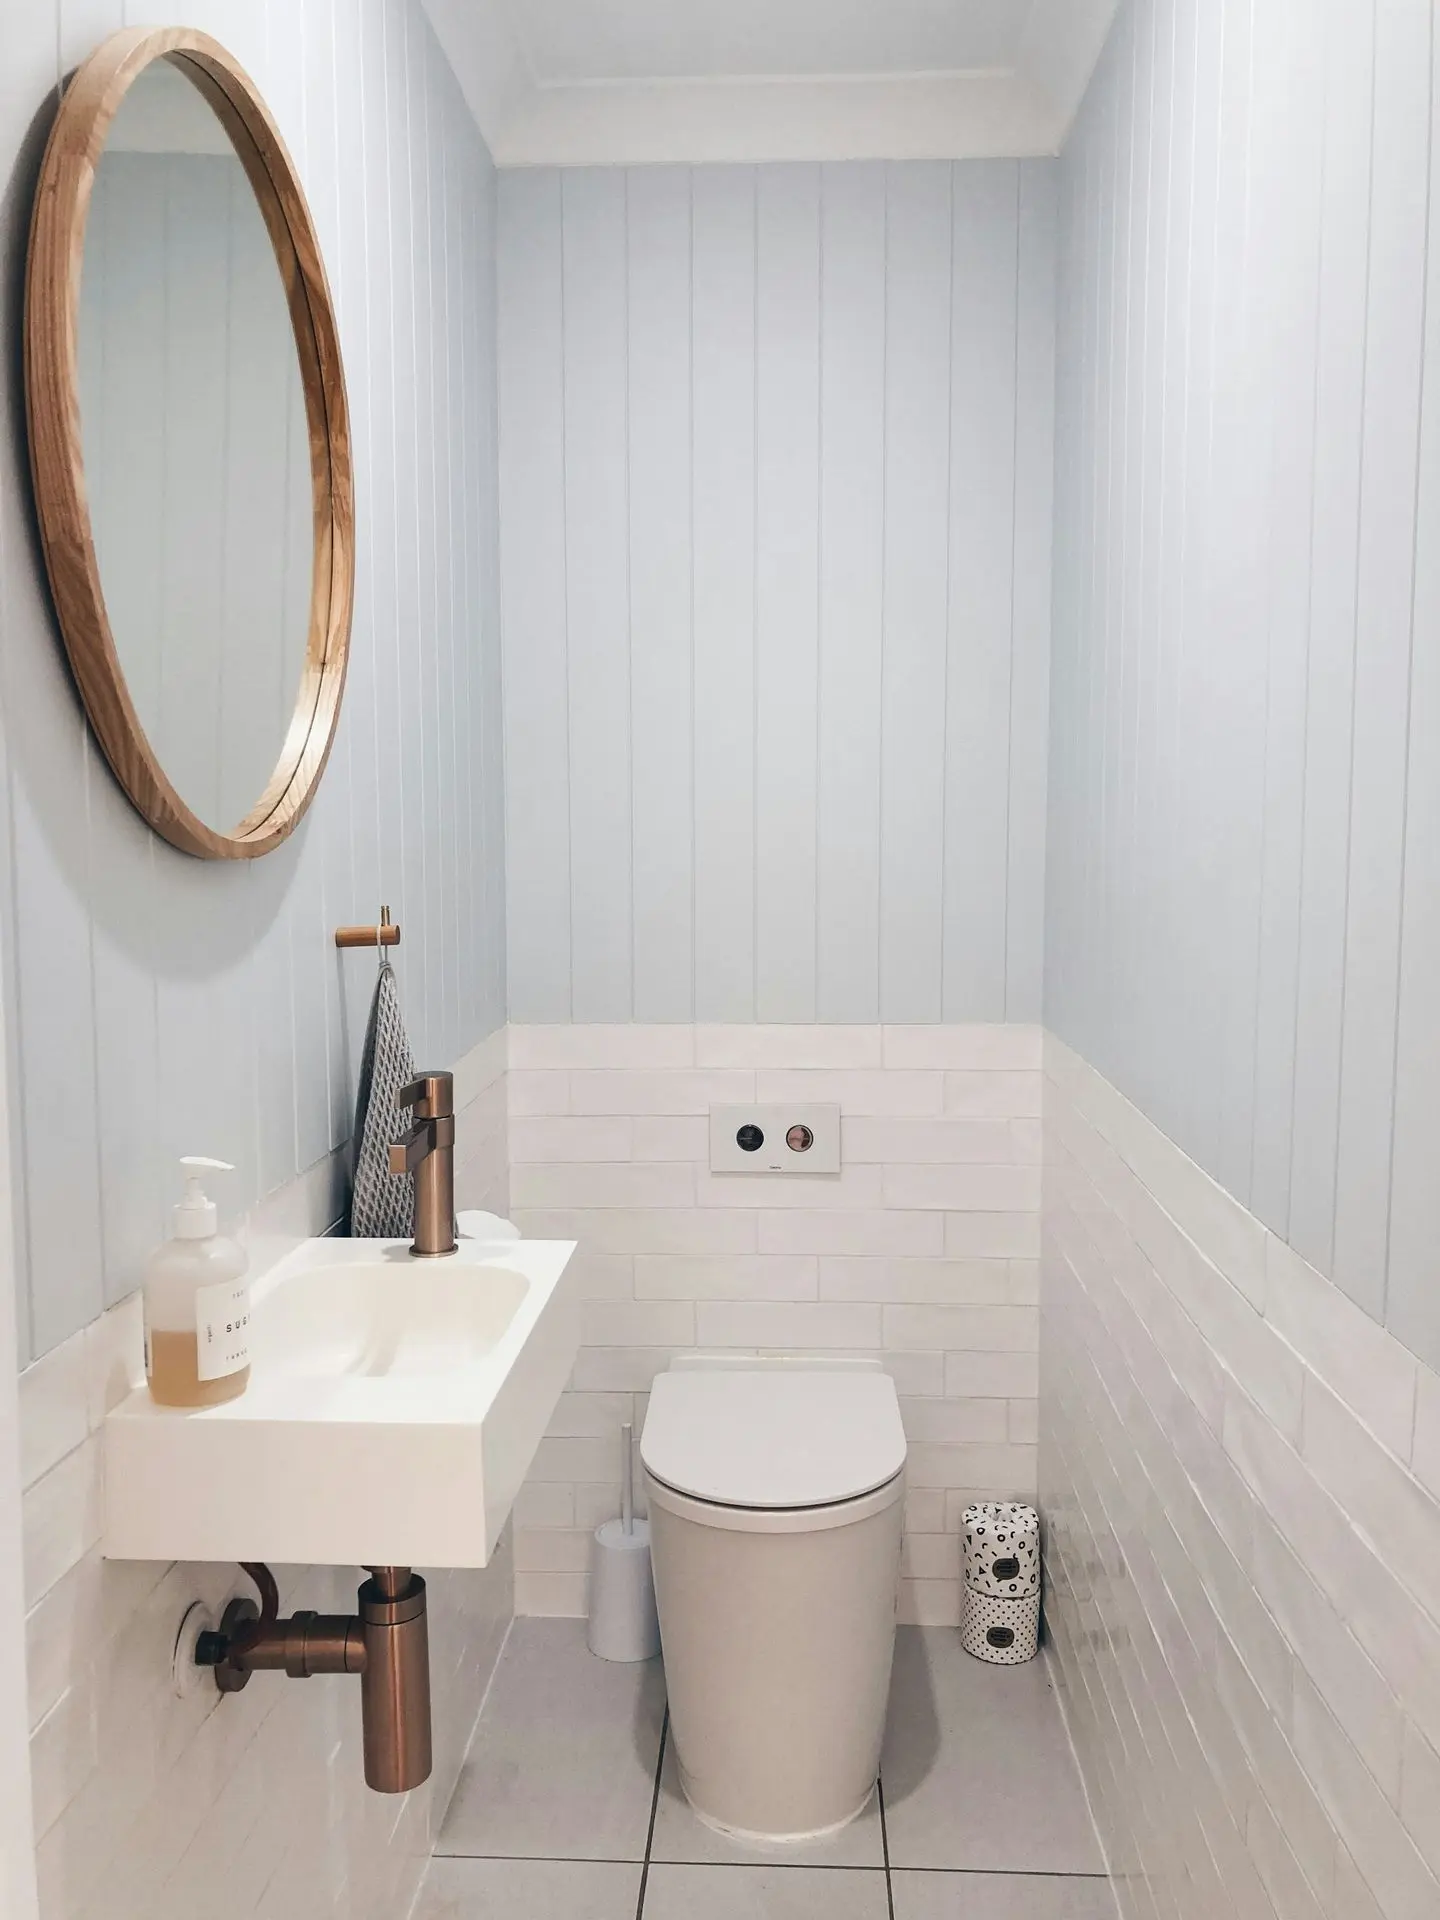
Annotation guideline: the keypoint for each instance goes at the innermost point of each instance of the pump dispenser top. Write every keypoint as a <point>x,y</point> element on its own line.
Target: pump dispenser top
<point>195,1216</point>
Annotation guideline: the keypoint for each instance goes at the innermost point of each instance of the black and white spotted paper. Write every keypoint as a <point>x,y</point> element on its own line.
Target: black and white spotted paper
<point>1004,1632</point>
<point>1002,1548</point>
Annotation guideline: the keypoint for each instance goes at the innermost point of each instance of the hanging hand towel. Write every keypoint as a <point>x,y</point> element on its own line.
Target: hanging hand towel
<point>382,1204</point>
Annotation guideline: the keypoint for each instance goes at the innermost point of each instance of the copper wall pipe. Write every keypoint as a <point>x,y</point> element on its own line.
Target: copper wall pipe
<point>387,1643</point>
<point>395,1686</point>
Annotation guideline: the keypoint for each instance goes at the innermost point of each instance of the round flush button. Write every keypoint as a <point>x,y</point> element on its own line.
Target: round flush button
<point>799,1139</point>
<point>750,1139</point>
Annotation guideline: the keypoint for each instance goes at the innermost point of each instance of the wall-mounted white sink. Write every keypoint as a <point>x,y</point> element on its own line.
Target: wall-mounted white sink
<point>393,1411</point>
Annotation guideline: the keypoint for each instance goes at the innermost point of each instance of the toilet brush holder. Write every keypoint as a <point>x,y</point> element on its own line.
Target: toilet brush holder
<point>623,1622</point>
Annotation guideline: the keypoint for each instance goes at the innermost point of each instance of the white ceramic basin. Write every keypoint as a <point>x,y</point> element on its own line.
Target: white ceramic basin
<point>393,1411</point>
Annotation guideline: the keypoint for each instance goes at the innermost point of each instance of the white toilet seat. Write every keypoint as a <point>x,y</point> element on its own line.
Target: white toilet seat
<point>766,1440</point>
<point>715,1513</point>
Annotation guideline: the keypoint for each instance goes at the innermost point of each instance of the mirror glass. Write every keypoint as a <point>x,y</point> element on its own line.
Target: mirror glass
<point>196,448</point>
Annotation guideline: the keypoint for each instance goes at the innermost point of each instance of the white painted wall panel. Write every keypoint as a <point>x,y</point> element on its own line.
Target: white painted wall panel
<point>533,597</point>
<point>787,569</point>
<point>852,595</point>
<point>979,586</point>
<point>1295,181</point>
<point>660,555</point>
<point>1413,1304</point>
<point>1236,932</point>
<point>1236,596</point>
<point>919,380</point>
<point>1031,587</point>
<point>1395,316</point>
<point>597,589</point>
<point>163,1005</point>
<point>723,202</point>
<point>1339,404</point>
<point>791,768</point>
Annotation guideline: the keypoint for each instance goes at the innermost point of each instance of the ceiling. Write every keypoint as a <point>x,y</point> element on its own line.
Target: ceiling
<point>656,39</point>
<point>624,82</point>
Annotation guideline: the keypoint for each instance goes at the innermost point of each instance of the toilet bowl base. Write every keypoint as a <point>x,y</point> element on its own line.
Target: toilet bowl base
<point>776,1842</point>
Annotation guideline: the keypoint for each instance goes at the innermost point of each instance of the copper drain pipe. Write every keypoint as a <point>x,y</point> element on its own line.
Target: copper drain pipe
<point>387,1643</point>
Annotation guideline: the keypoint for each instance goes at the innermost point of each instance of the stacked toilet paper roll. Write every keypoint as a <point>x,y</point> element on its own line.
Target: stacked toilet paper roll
<point>1000,1605</point>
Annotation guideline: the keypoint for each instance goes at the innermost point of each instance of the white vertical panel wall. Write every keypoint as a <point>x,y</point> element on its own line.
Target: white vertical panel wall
<point>776,464</point>
<point>1244,794</point>
<point>161,1005</point>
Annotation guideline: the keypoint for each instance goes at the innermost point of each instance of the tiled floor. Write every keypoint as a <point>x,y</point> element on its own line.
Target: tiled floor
<point>569,1808</point>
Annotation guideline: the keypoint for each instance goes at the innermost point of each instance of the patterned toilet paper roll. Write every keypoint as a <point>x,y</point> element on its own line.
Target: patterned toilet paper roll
<point>1004,1632</point>
<point>1002,1548</point>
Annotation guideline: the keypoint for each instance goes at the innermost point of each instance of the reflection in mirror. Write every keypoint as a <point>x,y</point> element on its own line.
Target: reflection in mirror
<point>196,450</point>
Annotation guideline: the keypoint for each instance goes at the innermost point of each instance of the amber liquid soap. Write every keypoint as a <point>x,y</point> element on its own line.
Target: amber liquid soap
<point>174,1374</point>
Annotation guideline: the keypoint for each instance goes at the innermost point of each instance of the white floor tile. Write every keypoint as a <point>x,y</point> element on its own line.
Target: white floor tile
<point>1002,1896</point>
<point>977,1770</point>
<point>538,1889</point>
<point>563,1762</point>
<point>764,1893</point>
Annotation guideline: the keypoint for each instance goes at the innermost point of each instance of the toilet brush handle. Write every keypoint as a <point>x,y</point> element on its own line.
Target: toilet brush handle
<point>627,1480</point>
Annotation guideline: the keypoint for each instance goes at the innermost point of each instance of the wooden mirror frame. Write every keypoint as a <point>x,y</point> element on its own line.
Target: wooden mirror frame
<point>52,392</point>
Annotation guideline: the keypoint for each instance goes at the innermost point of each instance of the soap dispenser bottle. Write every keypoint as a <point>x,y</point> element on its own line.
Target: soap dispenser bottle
<point>197,1304</point>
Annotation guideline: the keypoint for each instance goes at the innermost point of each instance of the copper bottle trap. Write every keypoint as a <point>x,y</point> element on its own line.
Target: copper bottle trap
<point>387,1643</point>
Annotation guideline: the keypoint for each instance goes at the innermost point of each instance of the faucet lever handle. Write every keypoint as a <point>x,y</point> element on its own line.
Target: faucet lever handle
<point>432,1095</point>
<point>406,1155</point>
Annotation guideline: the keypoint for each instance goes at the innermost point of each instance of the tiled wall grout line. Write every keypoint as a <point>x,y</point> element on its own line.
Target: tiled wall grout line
<point>885,1846</point>
<point>654,1811</point>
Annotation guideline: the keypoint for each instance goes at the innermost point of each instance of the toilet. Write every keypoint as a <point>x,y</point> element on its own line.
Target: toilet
<point>775,1493</point>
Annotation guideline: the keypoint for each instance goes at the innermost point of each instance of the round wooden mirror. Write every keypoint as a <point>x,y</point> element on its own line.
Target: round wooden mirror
<point>190,441</point>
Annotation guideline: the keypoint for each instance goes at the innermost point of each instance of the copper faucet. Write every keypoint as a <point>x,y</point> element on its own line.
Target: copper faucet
<point>428,1151</point>
<point>387,1643</point>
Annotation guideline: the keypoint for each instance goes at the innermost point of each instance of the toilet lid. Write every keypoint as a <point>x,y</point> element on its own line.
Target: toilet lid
<point>773,1439</point>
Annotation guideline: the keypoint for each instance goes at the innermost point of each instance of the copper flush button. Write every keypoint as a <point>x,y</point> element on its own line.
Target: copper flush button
<point>800,1139</point>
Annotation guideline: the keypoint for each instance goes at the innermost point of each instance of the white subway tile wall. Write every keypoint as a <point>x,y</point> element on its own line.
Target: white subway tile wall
<point>250,1807</point>
<point>610,1146</point>
<point>1237,1468</point>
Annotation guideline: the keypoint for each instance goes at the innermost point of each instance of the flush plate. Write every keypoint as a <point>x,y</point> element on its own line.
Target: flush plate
<point>732,1127</point>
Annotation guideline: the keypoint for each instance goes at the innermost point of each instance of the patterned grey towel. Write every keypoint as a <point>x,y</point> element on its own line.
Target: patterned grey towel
<point>382,1204</point>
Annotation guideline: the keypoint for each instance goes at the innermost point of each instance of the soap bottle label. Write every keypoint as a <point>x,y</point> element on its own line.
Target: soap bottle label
<point>222,1329</point>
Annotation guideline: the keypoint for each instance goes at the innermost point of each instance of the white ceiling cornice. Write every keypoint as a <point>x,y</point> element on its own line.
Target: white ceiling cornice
<point>1058,51</point>
<point>604,122</point>
<point>482,46</point>
<point>926,118</point>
